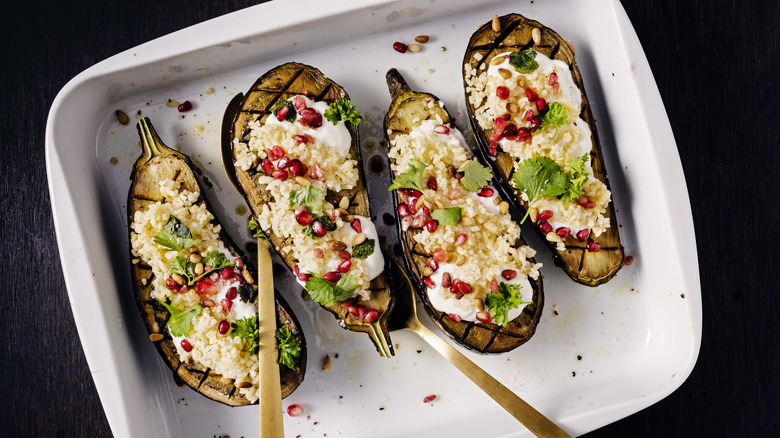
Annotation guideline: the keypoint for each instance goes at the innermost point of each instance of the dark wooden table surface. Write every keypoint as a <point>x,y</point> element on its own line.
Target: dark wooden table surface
<point>717,65</point>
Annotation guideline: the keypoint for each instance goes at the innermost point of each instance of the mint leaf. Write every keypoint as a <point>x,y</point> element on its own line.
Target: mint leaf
<point>247,330</point>
<point>310,196</point>
<point>217,260</point>
<point>175,235</point>
<point>447,216</point>
<point>540,177</point>
<point>327,293</point>
<point>411,179</point>
<point>508,297</point>
<point>554,116</point>
<point>289,348</point>
<point>345,110</point>
<point>524,61</point>
<point>363,250</point>
<point>291,113</point>
<point>180,321</point>
<point>475,175</point>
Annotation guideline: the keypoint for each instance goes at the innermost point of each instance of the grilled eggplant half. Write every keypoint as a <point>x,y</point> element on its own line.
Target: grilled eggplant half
<point>199,303</point>
<point>297,162</point>
<point>474,274</point>
<point>527,105</point>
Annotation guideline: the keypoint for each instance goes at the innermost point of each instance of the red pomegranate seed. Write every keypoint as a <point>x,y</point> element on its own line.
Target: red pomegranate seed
<point>485,192</point>
<point>502,92</point>
<point>524,134</point>
<point>226,273</point>
<point>484,317</point>
<point>553,79</point>
<point>304,170</point>
<point>629,261</point>
<point>304,277</point>
<point>454,287</point>
<point>509,274</point>
<point>453,317</point>
<point>541,104</point>
<point>232,293</point>
<point>224,325</point>
<point>582,235</point>
<point>185,344</point>
<point>431,225</point>
<point>332,276</point>
<point>208,303</point>
<point>429,282</point>
<point>316,172</point>
<point>403,210</point>
<point>333,215</point>
<point>531,94</point>
<point>371,316</point>
<point>593,247</point>
<point>582,200</point>
<point>499,124</point>
<point>296,270</point>
<point>307,117</point>
<point>563,232</point>
<point>425,211</point>
<point>352,310</point>
<point>494,286</point>
<point>171,283</point>
<point>299,103</point>
<point>441,129</point>
<point>528,115</point>
<point>510,130</point>
<point>433,264</point>
<point>535,122</point>
<point>432,184</point>
<point>545,227</point>
<point>496,136</point>
<point>544,215</point>
<point>282,113</point>
<point>278,152</point>
<point>493,149</point>
<point>184,106</point>
<point>461,239</point>
<point>280,174</point>
<point>440,255</point>
<point>294,410</point>
<point>304,218</point>
<point>239,262</point>
<point>302,138</point>
<point>361,312</point>
<point>429,398</point>
<point>226,305</point>
<point>318,253</point>
<point>344,255</point>
<point>238,278</point>
<point>446,280</point>
<point>183,289</point>
<point>399,47</point>
<point>295,167</point>
<point>590,204</point>
<point>464,287</point>
<point>214,275</point>
<point>267,166</point>
<point>318,228</point>
<point>345,266</point>
<point>406,222</point>
<point>356,225</point>
<point>283,163</point>
<point>454,194</point>
<point>556,89</point>
<point>206,287</point>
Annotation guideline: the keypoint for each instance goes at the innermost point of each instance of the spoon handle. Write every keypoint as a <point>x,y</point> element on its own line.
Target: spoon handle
<point>270,392</point>
<point>537,423</point>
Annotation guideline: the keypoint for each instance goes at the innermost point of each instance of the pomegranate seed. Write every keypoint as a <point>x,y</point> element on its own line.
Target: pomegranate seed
<point>333,215</point>
<point>278,152</point>
<point>563,232</point>
<point>299,103</point>
<point>510,130</point>
<point>545,227</point>
<point>454,194</point>
<point>226,273</point>
<point>304,277</point>
<point>267,166</point>
<point>590,204</point>
<point>582,200</point>
<point>629,261</point>
<point>541,104</point>
<point>356,225</point>
<point>403,210</point>
<point>345,304</point>
<point>531,94</point>
<point>316,172</point>
<point>454,286</point>
<point>413,192</point>
<point>214,275</point>
<point>495,136</point>
<point>509,274</point>
<point>439,255</point>
<point>352,310</point>
<point>183,289</point>
<point>446,280</point>
<point>502,92</point>
<point>318,253</point>
<point>441,129</point>
<point>494,286</point>
<point>296,270</point>
<point>332,276</point>
<point>432,184</point>
<point>484,317</point>
<point>534,123</point>
<point>308,117</point>
<point>453,317</point>
<point>224,325</point>
<point>304,218</point>
<point>171,283</point>
<point>185,344</point>
<point>283,163</point>
<point>553,79</point>
<point>544,215</point>
<point>226,305</point>
<point>425,211</point>
<point>593,247</point>
<point>206,287</point>
<point>184,106</point>
<point>431,225</point>
<point>295,167</point>
<point>239,262</point>
<point>301,138</point>
<point>433,264</point>
<point>485,192</point>
<point>493,149</point>
<point>524,134</point>
<point>318,228</point>
<point>499,124</point>
<point>406,222</point>
<point>464,287</point>
<point>345,266</point>
<point>399,47</point>
<point>528,115</point>
<point>582,235</point>
<point>232,293</point>
<point>208,303</point>
<point>344,255</point>
<point>429,398</point>
<point>371,316</point>
<point>361,312</point>
<point>304,170</point>
<point>556,89</point>
<point>429,282</point>
<point>294,410</point>
<point>282,113</point>
<point>461,239</point>
<point>280,174</point>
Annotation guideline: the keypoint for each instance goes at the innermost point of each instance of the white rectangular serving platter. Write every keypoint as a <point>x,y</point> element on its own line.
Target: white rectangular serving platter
<point>600,354</point>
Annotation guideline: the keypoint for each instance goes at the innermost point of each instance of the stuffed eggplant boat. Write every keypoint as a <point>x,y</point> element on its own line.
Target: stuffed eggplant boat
<point>531,118</point>
<point>297,161</point>
<point>477,278</point>
<point>195,291</point>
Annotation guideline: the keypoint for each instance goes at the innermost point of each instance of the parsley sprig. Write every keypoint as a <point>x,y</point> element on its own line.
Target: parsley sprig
<point>508,297</point>
<point>180,321</point>
<point>554,116</point>
<point>345,110</point>
<point>182,266</point>
<point>542,177</point>
<point>289,348</point>
<point>247,330</point>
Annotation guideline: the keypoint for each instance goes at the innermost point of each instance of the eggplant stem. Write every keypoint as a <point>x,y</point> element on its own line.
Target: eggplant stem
<point>380,340</point>
<point>151,143</point>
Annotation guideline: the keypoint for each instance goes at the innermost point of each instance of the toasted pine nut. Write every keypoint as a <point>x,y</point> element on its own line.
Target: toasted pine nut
<point>536,35</point>
<point>414,48</point>
<point>497,60</point>
<point>358,239</point>
<point>326,364</point>
<point>195,257</point>
<point>449,247</point>
<point>553,237</point>
<point>461,260</point>
<point>199,268</point>
<point>513,108</point>
<point>178,279</point>
<point>480,304</point>
<point>193,250</point>
<point>344,202</point>
<point>506,74</point>
<point>154,337</point>
<point>348,218</point>
<point>338,246</point>
<point>533,212</point>
<point>420,203</point>
<point>496,200</point>
<point>503,207</point>
<point>244,385</point>
<point>520,81</point>
<point>496,24</point>
<point>427,271</point>
<point>247,276</point>
<point>421,38</point>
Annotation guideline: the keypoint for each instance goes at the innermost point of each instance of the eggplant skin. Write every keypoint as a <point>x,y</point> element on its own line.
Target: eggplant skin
<point>276,85</point>
<point>407,106</point>
<point>144,191</point>
<point>516,33</point>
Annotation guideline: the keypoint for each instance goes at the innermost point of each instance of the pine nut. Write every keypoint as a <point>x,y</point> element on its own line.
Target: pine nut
<point>427,271</point>
<point>338,246</point>
<point>344,203</point>
<point>420,203</point>
<point>199,268</point>
<point>496,24</point>
<point>506,74</point>
<point>496,200</point>
<point>461,260</point>
<point>480,304</point>
<point>178,279</point>
<point>154,337</point>
<point>245,385</point>
<point>449,247</point>
<point>421,39</point>
<point>195,258</point>
<point>503,207</point>
<point>358,239</point>
<point>536,35</point>
<point>497,60</point>
<point>414,48</point>
<point>348,218</point>
<point>326,364</point>
<point>513,108</point>
<point>520,81</point>
<point>247,276</point>
<point>553,237</point>
<point>533,212</point>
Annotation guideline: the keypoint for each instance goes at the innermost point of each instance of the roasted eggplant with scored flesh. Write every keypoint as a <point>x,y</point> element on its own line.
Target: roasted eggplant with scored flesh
<point>157,177</point>
<point>461,245</point>
<point>526,102</point>
<point>297,162</point>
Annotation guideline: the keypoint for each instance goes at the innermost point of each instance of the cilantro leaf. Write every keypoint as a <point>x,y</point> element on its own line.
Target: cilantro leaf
<point>475,175</point>
<point>289,347</point>
<point>180,321</point>
<point>183,267</point>
<point>247,330</point>
<point>291,113</point>
<point>524,61</point>
<point>447,216</point>
<point>327,293</point>
<point>175,235</point>
<point>217,260</point>
<point>540,177</point>
<point>345,110</point>
<point>363,250</point>
<point>310,196</point>
<point>508,297</point>
<point>554,116</point>
<point>254,226</point>
<point>412,179</point>
<point>577,167</point>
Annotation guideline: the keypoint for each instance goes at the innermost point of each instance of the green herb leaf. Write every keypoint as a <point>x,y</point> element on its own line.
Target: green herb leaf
<point>577,177</point>
<point>217,260</point>
<point>345,110</point>
<point>507,298</point>
<point>175,235</point>
<point>412,179</point>
<point>554,116</point>
<point>180,321</point>
<point>291,113</point>
<point>183,267</point>
<point>310,196</point>
<point>475,175</point>
<point>289,348</point>
<point>524,61</point>
<point>247,292</point>
<point>248,331</point>
<point>254,226</point>
<point>363,250</point>
<point>324,220</point>
<point>327,293</point>
<point>540,177</point>
<point>447,216</point>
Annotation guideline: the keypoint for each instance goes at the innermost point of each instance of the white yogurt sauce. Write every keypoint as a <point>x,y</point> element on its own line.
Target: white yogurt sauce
<point>335,136</point>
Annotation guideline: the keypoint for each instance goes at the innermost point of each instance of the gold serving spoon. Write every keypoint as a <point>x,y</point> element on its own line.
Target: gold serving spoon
<point>270,390</point>
<point>404,317</point>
